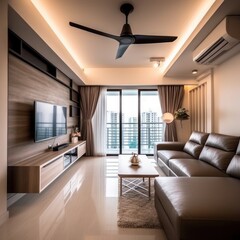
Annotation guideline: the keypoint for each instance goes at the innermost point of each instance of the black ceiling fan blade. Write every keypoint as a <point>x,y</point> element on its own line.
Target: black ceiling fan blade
<point>121,50</point>
<point>126,37</point>
<point>91,30</point>
<point>145,39</point>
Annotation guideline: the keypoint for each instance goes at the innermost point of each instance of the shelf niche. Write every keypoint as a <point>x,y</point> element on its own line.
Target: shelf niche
<point>74,111</point>
<point>20,48</point>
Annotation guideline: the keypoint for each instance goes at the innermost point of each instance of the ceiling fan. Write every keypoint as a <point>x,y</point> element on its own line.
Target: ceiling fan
<point>126,37</point>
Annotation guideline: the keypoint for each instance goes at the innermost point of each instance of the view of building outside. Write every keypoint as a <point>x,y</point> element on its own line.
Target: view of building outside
<point>113,122</point>
<point>144,127</point>
<point>129,121</point>
<point>151,131</point>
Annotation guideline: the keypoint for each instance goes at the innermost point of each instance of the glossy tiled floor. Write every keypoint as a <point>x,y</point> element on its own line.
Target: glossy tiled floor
<point>80,205</point>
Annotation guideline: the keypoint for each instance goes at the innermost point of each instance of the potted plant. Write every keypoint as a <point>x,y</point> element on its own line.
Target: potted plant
<point>181,114</point>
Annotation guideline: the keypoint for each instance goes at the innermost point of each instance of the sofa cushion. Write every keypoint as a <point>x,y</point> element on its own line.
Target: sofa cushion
<point>193,149</point>
<point>193,168</point>
<point>195,143</point>
<point>234,166</point>
<point>219,150</point>
<point>216,157</point>
<point>199,208</point>
<point>165,155</point>
<point>224,142</point>
<point>199,137</point>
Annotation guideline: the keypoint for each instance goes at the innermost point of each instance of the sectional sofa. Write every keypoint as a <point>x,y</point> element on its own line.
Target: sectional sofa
<point>200,198</point>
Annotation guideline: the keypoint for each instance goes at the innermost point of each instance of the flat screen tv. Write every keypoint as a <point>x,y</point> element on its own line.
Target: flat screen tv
<point>50,121</point>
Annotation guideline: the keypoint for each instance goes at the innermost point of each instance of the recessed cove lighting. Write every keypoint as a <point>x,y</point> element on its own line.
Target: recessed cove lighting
<point>41,8</point>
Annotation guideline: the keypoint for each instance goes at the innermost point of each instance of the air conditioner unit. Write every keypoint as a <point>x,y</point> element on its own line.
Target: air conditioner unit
<point>219,41</point>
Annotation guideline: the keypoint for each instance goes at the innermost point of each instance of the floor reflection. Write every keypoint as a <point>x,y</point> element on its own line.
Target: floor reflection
<point>80,204</point>
<point>111,176</point>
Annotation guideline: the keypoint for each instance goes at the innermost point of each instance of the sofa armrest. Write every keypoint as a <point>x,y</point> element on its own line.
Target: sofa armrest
<point>177,146</point>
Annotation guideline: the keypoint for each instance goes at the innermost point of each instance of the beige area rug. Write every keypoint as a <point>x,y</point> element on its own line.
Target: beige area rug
<point>136,210</point>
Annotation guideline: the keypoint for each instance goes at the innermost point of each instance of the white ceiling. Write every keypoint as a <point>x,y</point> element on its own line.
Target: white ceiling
<point>151,17</point>
<point>92,57</point>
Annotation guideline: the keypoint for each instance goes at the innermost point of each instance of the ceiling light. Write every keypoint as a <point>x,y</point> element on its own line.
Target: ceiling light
<point>156,64</point>
<point>157,61</point>
<point>194,71</point>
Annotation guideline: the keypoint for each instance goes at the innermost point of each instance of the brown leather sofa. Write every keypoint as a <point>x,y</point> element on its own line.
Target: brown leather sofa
<point>202,200</point>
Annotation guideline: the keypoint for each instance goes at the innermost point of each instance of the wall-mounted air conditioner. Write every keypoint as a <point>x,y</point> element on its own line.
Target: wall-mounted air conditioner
<point>219,41</point>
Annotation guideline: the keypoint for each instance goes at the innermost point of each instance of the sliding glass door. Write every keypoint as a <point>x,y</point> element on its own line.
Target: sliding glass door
<point>113,122</point>
<point>133,121</point>
<point>151,127</point>
<point>129,121</point>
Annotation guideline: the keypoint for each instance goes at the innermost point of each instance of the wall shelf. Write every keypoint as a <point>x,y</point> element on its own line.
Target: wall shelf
<point>74,96</point>
<point>74,111</point>
<point>27,53</point>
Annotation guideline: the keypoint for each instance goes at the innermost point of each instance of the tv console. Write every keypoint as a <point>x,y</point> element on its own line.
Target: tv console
<point>34,174</point>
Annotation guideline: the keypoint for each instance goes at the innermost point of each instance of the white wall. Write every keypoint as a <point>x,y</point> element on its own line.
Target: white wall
<point>130,76</point>
<point>227,97</point>
<point>3,109</point>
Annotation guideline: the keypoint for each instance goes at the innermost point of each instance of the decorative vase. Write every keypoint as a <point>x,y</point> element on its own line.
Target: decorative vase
<point>74,139</point>
<point>134,160</point>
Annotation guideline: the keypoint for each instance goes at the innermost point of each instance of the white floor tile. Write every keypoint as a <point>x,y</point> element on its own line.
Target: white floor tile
<point>79,205</point>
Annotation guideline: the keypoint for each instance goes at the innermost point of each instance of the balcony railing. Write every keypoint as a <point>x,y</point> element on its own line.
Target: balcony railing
<point>149,134</point>
<point>47,129</point>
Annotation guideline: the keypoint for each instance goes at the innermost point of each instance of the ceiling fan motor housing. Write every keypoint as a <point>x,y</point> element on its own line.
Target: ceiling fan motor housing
<point>126,30</point>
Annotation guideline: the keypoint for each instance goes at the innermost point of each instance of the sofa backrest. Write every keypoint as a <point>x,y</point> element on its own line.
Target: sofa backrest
<point>234,166</point>
<point>195,143</point>
<point>219,150</point>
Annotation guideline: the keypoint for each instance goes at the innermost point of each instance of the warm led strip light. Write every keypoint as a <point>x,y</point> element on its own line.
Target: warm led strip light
<point>206,6</point>
<point>56,30</point>
<point>193,24</point>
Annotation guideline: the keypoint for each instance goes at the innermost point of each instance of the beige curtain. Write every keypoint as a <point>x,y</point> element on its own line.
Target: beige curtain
<point>88,101</point>
<point>171,98</point>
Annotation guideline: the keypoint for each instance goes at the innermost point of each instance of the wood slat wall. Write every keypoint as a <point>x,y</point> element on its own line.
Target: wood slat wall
<point>201,105</point>
<point>198,108</point>
<point>27,84</point>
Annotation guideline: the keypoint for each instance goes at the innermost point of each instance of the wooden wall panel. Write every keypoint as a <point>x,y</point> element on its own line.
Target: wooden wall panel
<point>63,78</point>
<point>27,84</point>
<point>75,86</point>
<point>198,108</point>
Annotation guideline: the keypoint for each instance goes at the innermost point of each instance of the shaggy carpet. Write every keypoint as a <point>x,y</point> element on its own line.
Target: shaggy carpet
<point>137,211</point>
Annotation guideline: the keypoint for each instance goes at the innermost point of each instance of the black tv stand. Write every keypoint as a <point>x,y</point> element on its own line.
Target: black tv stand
<point>60,146</point>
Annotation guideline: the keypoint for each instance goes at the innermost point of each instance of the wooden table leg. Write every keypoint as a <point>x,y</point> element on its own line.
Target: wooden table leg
<point>149,187</point>
<point>120,186</point>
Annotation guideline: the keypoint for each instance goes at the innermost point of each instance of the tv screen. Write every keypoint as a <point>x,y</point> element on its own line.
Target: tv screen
<point>50,121</point>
